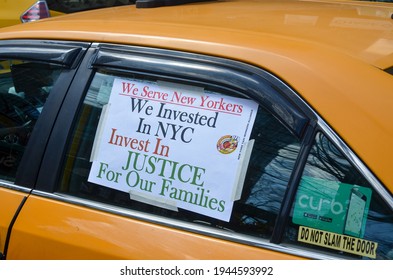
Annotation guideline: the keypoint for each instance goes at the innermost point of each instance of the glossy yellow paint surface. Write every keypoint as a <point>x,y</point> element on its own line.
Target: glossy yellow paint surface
<point>330,52</point>
<point>48,229</point>
<point>9,203</point>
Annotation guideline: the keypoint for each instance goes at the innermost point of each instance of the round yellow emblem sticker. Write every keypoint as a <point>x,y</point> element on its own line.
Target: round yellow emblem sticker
<point>227,144</point>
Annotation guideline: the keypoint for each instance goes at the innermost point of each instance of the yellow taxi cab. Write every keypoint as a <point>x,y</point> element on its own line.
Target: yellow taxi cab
<point>21,11</point>
<point>199,130</point>
<point>14,12</point>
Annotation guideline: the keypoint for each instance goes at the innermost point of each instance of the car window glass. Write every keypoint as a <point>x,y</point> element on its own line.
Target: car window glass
<point>250,184</point>
<point>337,211</point>
<point>24,88</point>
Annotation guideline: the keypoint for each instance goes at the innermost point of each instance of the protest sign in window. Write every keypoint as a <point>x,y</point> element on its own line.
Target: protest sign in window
<point>174,146</point>
<point>191,153</point>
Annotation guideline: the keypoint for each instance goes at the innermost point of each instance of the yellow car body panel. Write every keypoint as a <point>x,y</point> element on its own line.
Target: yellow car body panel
<point>69,237</point>
<point>276,36</point>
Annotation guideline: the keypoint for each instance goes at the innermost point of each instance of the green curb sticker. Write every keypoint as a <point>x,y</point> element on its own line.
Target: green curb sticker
<point>332,206</point>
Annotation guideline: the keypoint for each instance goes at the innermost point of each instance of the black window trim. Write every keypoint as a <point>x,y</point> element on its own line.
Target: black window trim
<point>64,53</point>
<point>286,204</point>
<point>56,144</point>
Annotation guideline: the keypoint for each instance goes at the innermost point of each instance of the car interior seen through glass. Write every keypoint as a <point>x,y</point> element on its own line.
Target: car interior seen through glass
<point>24,88</point>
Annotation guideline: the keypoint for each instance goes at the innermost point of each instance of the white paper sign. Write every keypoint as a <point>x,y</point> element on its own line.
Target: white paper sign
<point>173,146</point>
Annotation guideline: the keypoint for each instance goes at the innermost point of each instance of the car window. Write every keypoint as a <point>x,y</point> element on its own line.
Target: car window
<point>204,155</point>
<point>389,70</point>
<point>24,88</point>
<point>337,211</point>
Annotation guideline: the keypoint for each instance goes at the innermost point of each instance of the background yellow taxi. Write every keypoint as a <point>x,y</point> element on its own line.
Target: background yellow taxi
<point>208,130</point>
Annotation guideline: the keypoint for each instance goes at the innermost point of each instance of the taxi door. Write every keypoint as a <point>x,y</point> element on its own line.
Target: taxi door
<point>67,216</point>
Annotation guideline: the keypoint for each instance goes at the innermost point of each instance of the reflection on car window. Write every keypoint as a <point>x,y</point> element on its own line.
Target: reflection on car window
<point>256,202</point>
<point>271,164</point>
<point>336,210</point>
<point>24,87</point>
